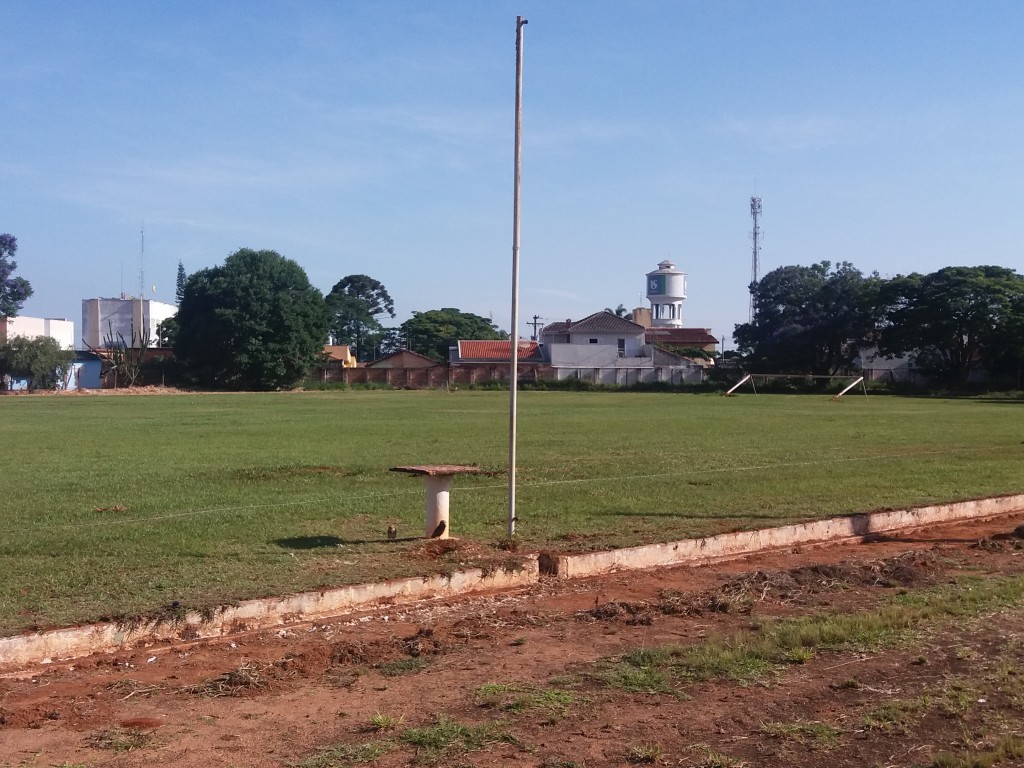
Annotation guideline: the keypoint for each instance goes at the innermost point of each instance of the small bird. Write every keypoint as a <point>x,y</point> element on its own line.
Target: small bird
<point>392,532</point>
<point>439,530</point>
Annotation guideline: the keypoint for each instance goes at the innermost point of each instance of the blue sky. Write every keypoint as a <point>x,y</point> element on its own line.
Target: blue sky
<point>376,138</point>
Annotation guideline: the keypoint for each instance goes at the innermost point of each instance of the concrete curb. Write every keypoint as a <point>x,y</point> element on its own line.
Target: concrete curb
<point>74,642</point>
<point>64,644</point>
<point>730,545</point>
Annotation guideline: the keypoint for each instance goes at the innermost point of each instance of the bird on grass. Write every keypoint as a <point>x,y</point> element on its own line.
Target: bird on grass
<point>439,530</point>
<point>392,533</point>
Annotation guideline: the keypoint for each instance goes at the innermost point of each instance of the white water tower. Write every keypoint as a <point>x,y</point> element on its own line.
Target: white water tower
<point>666,290</point>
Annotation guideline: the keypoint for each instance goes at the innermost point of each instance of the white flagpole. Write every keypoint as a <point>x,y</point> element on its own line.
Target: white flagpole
<point>513,382</point>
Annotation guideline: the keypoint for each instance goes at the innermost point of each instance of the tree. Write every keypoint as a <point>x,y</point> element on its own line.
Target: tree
<point>40,361</point>
<point>1006,355</point>
<point>182,279</point>
<point>952,321</point>
<point>620,311</point>
<point>253,323</point>
<point>431,333</point>
<point>124,358</point>
<point>13,290</point>
<point>809,319</point>
<point>389,341</point>
<point>355,302</point>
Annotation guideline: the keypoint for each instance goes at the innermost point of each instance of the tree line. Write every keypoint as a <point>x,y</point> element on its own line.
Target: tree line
<point>256,322</point>
<point>818,319</point>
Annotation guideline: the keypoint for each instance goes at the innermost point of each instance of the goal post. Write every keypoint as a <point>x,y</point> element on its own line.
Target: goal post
<point>739,384</point>
<point>798,381</point>
<point>860,380</point>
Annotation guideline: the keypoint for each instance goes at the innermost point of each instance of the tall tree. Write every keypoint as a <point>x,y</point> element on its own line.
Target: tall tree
<point>809,319</point>
<point>952,321</point>
<point>253,323</point>
<point>431,333</point>
<point>182,278</point>
<point>355,302</point>
<point>13,290</point>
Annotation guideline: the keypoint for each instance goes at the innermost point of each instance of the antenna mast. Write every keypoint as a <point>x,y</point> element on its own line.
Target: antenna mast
<point>142,260</point>
<point>755,257</point>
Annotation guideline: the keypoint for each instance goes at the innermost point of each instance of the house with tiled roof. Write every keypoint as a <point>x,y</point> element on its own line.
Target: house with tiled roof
<point>404,358</point>
<point>473,361</point>
<point>679,338</point>
<point>609,349</point>
<point>496,351</point>
<point>340,353</point>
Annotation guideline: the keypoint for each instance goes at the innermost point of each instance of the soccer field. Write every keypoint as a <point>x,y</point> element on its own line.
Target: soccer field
<point>120,505</point>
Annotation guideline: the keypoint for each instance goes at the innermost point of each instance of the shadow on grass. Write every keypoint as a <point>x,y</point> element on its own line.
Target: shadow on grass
<point>321,542</point>
<point>312,542</point>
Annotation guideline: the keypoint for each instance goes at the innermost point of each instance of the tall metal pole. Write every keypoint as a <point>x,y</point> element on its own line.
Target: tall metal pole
<point>513,380</point>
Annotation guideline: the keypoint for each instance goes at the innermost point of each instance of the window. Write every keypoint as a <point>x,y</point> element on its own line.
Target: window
<point>621,344</point>
<point>593,341</point>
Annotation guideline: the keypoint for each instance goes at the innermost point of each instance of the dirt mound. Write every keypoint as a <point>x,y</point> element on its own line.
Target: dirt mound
<point>741,593</point>
<point>1002,542</point>
<point>633,614</point>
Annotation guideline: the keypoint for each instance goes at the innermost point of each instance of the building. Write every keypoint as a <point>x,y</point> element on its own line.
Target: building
<point>494,352</point>
<point>607,349</point>
<point>105,321</point>
<point>63,331</point>
<point>339,354</point>
<point>677,339</point>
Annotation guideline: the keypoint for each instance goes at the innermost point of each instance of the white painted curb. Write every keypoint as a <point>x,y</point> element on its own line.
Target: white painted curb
<point>63,644</point>
<point>74,642</point>
<point>731,545</point>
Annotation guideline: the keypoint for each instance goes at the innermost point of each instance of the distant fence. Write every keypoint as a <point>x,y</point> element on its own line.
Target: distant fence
<point>433,377</point>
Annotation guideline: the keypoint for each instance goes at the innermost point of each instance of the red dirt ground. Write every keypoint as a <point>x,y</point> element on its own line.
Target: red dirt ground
<point>277,698</point>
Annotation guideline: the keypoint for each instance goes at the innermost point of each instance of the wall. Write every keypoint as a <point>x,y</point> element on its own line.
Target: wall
<point>634,343</point>
<point>598,356</point>
<point>436,377</point>
<point>34,327</point>
<point>627,376</point>
<point>100,317</point>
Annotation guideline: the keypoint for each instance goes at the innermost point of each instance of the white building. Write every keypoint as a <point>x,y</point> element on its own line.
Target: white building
<point>36,327</point>
<point>607,349</point>
<point>133,319</point>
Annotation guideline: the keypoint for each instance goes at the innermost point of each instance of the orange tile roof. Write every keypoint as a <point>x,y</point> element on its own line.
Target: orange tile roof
<point>697,337</point>
<point>497,350</point>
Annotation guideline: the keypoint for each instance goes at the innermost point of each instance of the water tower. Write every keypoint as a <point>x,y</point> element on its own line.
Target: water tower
<point>666,290</point>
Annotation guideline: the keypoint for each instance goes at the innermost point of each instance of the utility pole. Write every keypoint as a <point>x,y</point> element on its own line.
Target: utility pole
<point>536,323</point>
<point>513,381</point>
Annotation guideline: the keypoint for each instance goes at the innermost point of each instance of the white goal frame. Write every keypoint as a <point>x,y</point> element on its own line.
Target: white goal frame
<point>752,378</point>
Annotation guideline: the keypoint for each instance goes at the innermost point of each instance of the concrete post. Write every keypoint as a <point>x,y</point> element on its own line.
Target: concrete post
<point>437,491</point>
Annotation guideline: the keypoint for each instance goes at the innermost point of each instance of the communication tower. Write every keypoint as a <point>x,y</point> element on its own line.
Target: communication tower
<point>755,214</point>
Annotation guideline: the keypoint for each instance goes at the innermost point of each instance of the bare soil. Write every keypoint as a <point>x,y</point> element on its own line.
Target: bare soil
<point>520,666</point>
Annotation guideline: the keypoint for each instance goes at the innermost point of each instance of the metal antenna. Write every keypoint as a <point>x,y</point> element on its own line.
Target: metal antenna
<point>755,258</point>
<point>142,260</point>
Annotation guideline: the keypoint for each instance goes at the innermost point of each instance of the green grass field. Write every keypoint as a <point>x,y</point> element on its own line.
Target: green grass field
<point>118,506</point>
